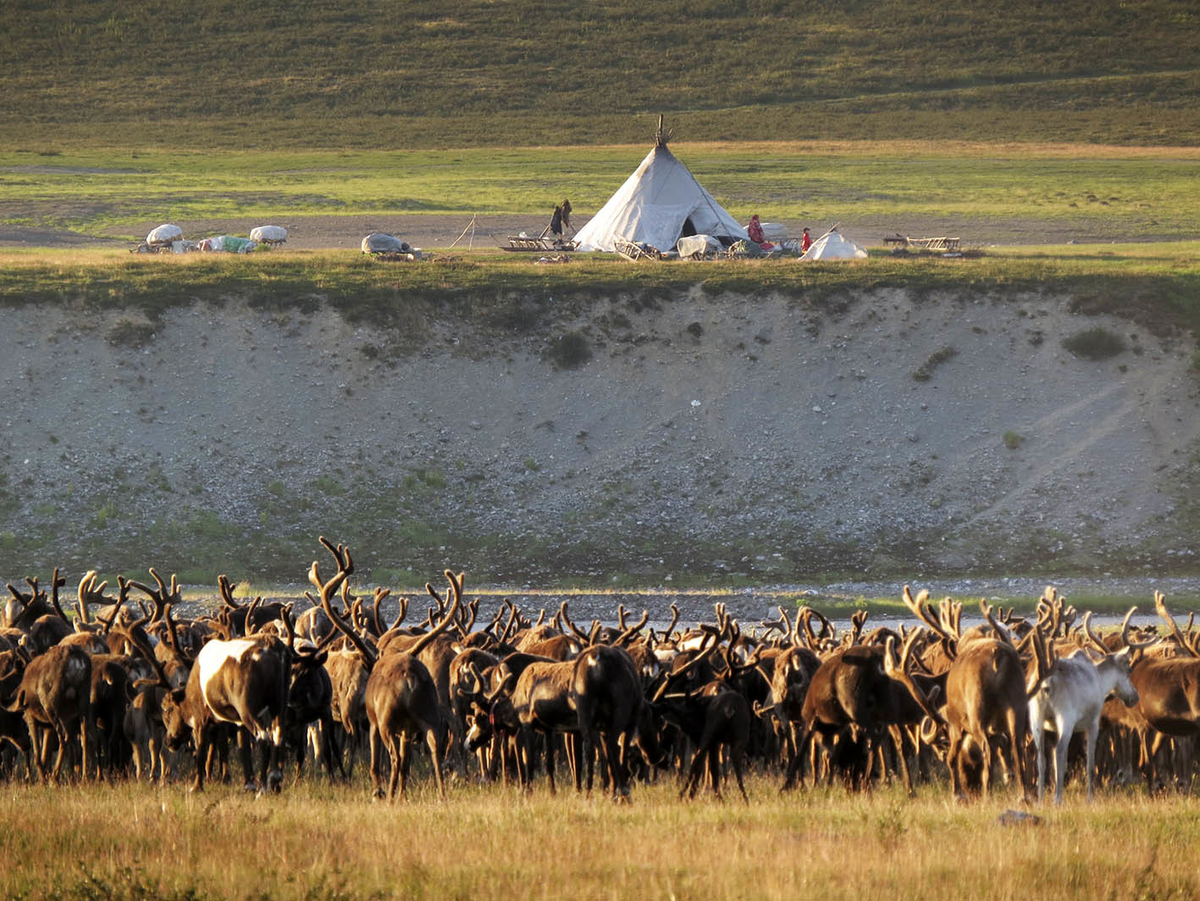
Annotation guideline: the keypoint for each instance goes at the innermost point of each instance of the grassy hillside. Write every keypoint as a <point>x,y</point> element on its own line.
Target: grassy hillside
<point>373,74</point>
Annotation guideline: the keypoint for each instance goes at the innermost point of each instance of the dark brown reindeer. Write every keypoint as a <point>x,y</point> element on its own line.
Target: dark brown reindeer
<point>401,697</point>
<point>247,619</point>
<point>22,610</point>
<point>12,722</point>
<point>606,693</point>
<point>709,712</point>
<point>50,628</point>
<point>55,697</point>
<point>857,701</point>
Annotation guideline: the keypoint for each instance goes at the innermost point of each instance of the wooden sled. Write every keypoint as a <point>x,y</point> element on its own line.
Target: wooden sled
<point>941,245</point>
<point>519,244</point>
<point>634,252</point>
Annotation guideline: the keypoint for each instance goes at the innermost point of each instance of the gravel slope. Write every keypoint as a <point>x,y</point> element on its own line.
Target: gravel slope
<point>757,437</point>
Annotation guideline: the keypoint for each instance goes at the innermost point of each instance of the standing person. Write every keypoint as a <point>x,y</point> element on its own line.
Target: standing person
<point>561,220</point>
<point>805,241</point>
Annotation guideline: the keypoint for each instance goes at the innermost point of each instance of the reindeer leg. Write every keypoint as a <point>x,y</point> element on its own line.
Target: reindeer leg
<point>245,744</point>
<point>587,740</point>
<point>1091,737</point>
<point>738,758</point>
<point>551,741</point>
<point>330,748</point>
<point>1018,718</point>
<point>1038,734</point>
<point>954,757</point>
<point>897,735</point>
<point>376,742</point>
<point>693,777</point>
<point>63,741</point>
<point>203,742</point>
<point>1060,759</point>
<point>431,738</point>
<point>714,768</point>
<point>396,749</point>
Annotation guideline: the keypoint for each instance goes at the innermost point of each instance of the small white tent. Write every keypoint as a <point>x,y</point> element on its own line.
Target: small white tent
<point>834,246</point>
<point>658,204</point>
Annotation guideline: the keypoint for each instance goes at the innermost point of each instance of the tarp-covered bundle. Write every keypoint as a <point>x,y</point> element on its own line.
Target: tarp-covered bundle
<point>378,242</point>
<point>268,234</point>
<point>833,245</point>
<point>697,246</point>
<point>164,234</point>
<point>227,244</point>
<point>658,204</point>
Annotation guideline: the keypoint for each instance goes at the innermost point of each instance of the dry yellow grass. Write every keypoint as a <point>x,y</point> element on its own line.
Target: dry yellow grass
<point>319,841</point>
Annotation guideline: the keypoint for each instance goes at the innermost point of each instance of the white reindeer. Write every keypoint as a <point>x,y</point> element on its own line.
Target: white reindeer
<point>1071,697</point>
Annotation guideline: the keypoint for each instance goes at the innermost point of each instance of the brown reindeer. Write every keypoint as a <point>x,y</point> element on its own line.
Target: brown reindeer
<point>987,694</point>
<point>243,683</point>
<point>55,696</point>
<point>1169,688</point>
<point>401,696</point>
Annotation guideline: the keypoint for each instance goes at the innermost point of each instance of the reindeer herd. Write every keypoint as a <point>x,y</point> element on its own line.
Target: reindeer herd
<point>129,688</point>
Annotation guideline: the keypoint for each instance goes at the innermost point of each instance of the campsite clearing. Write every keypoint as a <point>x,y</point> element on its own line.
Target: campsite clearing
<point>1002,194</point>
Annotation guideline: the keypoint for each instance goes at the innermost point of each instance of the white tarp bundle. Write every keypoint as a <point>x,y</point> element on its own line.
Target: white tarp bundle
<point>268,234</point>
<point>164,234</point>
<point>775,232</point>
<point>698,245</point>
<point>378,242</point>
<point>653,207</point>
<point>834,246</point>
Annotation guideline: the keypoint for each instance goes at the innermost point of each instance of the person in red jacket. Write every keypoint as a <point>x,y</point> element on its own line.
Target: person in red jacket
<point>754,229</point>
<point>805,241</point>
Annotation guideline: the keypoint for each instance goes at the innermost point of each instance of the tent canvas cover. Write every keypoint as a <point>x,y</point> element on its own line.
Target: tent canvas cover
<point>833,245</point>
<point>654,205</point>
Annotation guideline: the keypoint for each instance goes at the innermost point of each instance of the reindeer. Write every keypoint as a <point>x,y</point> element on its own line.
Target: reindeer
<point>987,695</point>
<point>854,704</point>
<point>1169,687</point>
<point>242,682</point>
<point>710,712</point>
<point>607,696</point>
<point>401,697</point>
<point>55,695</point>
<point>143,723</point>
<point>12,721</point>
<point>1071,698</point>
<point>791,674</point>
<point>22,610</point>
<point>51,627</point>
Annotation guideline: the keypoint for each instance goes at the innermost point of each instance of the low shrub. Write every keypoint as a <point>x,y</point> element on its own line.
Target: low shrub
<point>924,372</point>
<point>1094,344</point>
<point>569,351</point>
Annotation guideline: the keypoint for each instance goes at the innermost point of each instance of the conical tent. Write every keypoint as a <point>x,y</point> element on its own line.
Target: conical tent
<point>833,245</point>
<point>655,206</point>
